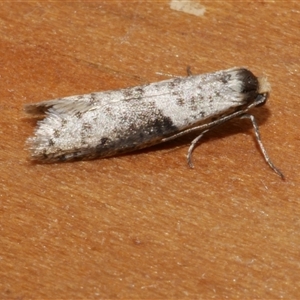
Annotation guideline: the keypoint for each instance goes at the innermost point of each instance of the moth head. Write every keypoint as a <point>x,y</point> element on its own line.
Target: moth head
<point>264,89</point>
<point>254,89</point>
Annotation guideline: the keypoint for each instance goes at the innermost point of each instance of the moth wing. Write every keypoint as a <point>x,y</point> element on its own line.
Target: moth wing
<point>83,103</point>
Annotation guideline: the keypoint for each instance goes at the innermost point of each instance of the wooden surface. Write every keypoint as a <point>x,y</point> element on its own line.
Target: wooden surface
<point>144,225</point>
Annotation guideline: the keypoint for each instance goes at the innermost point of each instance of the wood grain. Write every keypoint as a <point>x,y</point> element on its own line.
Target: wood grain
<point>143,225</point>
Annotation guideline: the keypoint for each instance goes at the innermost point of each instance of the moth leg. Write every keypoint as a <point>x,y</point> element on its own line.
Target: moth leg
<point>186,131</point>
<point>192,147</point>
<point>189,71</point>
<point>260,144</point>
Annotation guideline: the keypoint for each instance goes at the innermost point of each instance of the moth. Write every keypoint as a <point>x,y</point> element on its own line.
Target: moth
<point>108,123</point>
